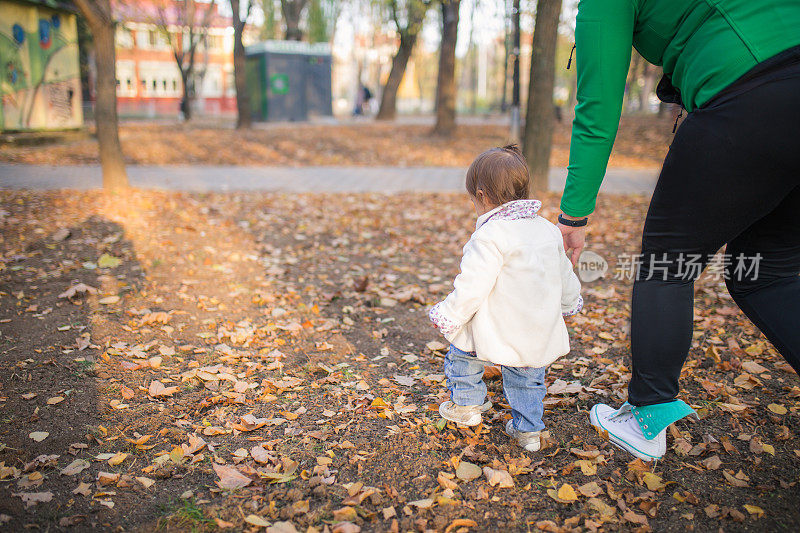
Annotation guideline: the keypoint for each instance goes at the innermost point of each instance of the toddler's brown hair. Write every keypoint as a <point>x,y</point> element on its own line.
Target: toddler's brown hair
<point>501,173</point>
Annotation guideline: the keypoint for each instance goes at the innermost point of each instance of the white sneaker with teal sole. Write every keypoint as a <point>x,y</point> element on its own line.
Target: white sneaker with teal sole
<point>619,426</point>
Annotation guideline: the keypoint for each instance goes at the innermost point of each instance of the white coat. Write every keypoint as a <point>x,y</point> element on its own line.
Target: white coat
<point>515,286</point>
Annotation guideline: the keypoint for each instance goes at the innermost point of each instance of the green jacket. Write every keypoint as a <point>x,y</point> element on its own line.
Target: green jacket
<point>705,45</point>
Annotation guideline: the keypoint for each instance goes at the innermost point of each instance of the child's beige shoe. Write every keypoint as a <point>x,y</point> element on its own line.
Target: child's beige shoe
<point>466,415</point>
<point>530,440</point>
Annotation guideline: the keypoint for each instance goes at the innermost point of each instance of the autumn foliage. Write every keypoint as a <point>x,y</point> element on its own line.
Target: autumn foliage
<point>250,361</point>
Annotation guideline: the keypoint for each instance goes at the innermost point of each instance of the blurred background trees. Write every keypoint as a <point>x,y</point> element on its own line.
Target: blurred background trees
<point>390,59</point>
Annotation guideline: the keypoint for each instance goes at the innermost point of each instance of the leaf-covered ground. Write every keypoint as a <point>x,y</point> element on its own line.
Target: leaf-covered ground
<point>241,362</point>
<point>642,142</point>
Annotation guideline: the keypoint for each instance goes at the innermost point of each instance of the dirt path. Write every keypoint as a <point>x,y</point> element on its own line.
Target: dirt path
<point>262,359</point>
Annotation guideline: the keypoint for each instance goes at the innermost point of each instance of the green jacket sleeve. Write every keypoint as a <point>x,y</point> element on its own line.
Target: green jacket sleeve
<point>603,41</point>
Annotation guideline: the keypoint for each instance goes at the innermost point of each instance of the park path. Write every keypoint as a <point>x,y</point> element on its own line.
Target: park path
<point>284,179</point>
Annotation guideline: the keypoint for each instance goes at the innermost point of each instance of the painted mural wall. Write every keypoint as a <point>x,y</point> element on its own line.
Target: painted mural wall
<point>39,68</point>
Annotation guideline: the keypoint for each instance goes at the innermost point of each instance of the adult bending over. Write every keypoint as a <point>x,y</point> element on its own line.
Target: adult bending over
<point>732,176</point>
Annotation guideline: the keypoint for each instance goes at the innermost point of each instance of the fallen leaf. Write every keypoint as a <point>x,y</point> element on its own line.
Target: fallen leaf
<point>117,459</point>
<point>255,520</point>
<point>436,346</point>
<point>108,261</point>
<point>230,478</point>
<point>83,489</point>
<point>467,471</point>
<point>753,367</point>
<point>346,527</point>
<point>406,381</point>
<point>427,503</point>
<point>567,493</point>
<point>712,463</point>
<point>590,489</point>
<point>600,506</point>
<point>778,409</point>
<point>68,521</point>
<point>39,436</point>
<point>55,399</point>
<point>76,289</point>
<point>346,513</point>
<point>634,518</point>
<point>107,478</point>
<point>755,351</point>
<point>587,467</point>
<point>282,527</point>
<point>653,482</point>
<point>446,482</point>
<point>61,234</point>
<point>733,480</point>
<point>159,390</point>
<point>75,467</point>
<point>32,498</point>
<point>459,523</point>
<point>755,510</point>
<point>146,481</point>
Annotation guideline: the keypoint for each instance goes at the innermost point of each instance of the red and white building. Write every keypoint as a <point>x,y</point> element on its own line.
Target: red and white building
<point>148,79</point>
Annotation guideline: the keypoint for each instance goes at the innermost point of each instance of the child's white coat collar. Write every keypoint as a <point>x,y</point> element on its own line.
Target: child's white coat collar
<point>514,210</point>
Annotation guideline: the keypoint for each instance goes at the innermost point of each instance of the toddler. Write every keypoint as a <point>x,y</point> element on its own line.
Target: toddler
<point>506,307</point>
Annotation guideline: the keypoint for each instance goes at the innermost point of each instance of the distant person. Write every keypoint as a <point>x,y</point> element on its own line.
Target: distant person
<point>732,176</point>
<point>363,98</point>
<point>514,258</point>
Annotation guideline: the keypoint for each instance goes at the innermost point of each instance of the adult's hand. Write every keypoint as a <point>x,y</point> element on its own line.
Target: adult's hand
<point>574,241</point>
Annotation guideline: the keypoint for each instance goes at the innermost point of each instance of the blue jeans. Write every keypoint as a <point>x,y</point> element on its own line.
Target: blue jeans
<point>523,386</point>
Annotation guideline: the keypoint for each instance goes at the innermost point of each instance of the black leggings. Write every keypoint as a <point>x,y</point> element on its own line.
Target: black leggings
<point>732,175</point>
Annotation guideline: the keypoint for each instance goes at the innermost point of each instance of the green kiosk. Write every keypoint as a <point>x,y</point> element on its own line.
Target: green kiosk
<point>289,80</point>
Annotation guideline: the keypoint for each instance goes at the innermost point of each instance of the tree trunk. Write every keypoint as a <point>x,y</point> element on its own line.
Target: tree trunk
<point>101,23</point>
<point>292,10</point>
<point>446,80</point>
<point>572,100</point>
<point>632,81</point>
<point>650,80</point>
<point>541,112</point>
<point>186,102</point>
<point>244,119</point>
<point>507,52</point>
<point>388,108</point>
<point>515,87</point>
<point>471,59</point>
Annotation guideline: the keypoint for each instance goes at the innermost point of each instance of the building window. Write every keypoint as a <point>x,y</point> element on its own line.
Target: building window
<point>124,37</point>
<point>214,43</point>
<point>142,39</point>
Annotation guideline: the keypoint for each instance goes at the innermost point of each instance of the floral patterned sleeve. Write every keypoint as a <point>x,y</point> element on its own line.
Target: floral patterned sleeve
<point>575,310</point>
<point>445,325</point>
